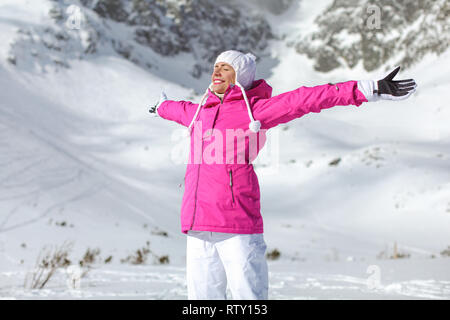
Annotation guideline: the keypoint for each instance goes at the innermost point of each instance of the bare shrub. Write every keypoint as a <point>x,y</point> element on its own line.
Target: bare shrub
<point>163,259</point>
<point>335,162</point>
<point>141,255</point>
<point>446,252</point>
<point>399,255</point>
<point>48,262</point>
<point>273,255</point>
<point>89,258</point>
<point>159,232</point>
<point>396,254</point>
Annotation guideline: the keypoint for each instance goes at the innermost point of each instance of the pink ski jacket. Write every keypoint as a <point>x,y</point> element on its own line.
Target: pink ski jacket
<point>221,187</point>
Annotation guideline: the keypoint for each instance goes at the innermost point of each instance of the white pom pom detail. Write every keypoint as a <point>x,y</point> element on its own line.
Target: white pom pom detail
<point>254,126</point>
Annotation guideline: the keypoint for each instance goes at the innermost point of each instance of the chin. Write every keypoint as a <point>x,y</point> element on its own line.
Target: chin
<point>219,89</point>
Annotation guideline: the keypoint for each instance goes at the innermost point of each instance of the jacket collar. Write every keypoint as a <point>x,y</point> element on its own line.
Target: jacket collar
<point>259,89</point>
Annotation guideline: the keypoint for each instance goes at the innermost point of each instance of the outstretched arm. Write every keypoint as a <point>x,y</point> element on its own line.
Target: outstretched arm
<point>296,103</point>
<point>181,112</point>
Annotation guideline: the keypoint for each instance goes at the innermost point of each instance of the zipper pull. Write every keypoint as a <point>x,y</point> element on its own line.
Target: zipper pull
<point>231,186</point>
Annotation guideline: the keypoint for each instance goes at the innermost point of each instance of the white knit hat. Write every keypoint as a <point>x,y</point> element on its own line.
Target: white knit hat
<point>244,66</point>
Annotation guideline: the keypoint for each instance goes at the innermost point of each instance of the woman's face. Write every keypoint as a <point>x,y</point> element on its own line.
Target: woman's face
<point>222,76</point>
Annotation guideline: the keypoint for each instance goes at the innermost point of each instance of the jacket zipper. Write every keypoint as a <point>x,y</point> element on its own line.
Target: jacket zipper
<point>231,185</point>
<point>223,98</point>
<point>198,176</point>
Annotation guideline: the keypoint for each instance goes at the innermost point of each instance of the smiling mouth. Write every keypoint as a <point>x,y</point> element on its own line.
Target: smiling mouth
<point>217,81</point>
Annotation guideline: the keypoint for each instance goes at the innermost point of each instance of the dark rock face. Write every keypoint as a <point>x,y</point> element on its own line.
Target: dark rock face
<point>374,34</point>
<point>199,28</point>
<point>399,32</point>
<point>273,6</point>
<point>111,9</point>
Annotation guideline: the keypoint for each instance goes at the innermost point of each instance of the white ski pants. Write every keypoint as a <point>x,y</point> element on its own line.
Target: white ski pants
<point>215,260</point>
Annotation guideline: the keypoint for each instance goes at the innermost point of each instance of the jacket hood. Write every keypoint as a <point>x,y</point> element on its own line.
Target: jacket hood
<point>260,89</point>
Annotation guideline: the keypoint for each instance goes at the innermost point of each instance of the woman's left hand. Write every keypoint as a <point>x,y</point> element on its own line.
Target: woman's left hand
<point>387,88</point>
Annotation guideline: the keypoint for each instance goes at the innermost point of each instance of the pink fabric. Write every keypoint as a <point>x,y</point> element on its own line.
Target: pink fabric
<point>213,200</point>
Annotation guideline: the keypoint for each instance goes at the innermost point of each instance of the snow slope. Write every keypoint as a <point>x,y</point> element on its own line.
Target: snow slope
<point>82,160</point>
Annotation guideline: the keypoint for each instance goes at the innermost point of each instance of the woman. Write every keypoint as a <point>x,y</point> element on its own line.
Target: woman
<point>220,210</point>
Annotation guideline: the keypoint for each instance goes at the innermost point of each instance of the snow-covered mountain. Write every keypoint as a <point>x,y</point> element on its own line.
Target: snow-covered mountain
<point>376,33</point>
<point>141,31</point>
<point>82,160</point>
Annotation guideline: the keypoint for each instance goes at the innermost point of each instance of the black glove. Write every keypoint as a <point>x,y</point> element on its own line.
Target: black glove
<point>153,109</point>
<point>389,89</point>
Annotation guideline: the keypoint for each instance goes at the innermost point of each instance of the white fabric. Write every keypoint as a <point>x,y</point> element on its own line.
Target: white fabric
<point>253,125</point>
<point>367,88</point>
<point>205,95</point>
<point>162,98</point>
<point>215,260</point>
<point>244,66</point>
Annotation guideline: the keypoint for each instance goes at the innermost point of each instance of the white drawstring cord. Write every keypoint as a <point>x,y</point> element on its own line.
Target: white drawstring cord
<point>254,125</point>
<point>189,129</point>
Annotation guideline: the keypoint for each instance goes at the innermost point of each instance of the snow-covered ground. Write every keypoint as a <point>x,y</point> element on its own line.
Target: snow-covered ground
<point>427,279</point>
<point>82,161</point>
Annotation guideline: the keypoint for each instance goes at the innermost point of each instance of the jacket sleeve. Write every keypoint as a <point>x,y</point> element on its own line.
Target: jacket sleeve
<point>181,112</point>
<point>296,103</point>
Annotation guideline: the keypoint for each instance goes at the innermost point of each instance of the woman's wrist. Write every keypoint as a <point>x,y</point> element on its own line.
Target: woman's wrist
<point>367,88</point>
